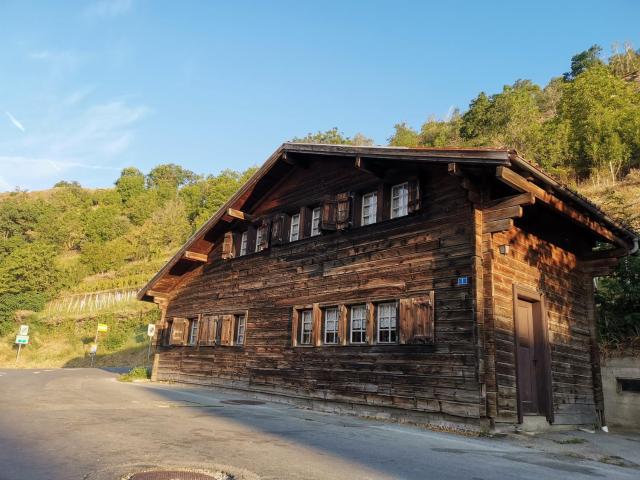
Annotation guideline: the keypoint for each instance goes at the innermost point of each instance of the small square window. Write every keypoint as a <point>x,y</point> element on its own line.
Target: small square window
<point>400,200</point>
<point>306,324</point>
<point>387,322</point>
<point>315,221</point>
<point>294,233</point>
<point>369,208</point>
<point>358,324</point>
<point>331,326</point>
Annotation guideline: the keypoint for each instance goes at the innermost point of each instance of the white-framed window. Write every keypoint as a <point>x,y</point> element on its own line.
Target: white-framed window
<point>306,323</point>
<point>244,240</point>
<point>369,208</point>
<point>331,325</point>
<point>358,324</point>
<point>387,322</point>
<point>193,331</point>
<point>259,237</point>
<point>294,232</point>
<point>315,221</point>
<point>241,326</point>
<point>399,200</point>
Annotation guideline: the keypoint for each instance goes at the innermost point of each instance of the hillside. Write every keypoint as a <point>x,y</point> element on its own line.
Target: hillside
<point>72,257</point>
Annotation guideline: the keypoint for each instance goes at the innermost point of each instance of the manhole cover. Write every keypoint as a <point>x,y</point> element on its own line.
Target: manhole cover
<point>177,475</point>
<point>242,402</point>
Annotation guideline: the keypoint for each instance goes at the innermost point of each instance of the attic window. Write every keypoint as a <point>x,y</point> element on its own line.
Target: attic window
<point>260,238</point>
<point>369,208</point>
<point>399,200</point>
<point>244,239</point>
<point>294,234</point>
<point>315,221</point>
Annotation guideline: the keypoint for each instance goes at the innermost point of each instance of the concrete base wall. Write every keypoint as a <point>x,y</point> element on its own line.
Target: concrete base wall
<point>621,409</point>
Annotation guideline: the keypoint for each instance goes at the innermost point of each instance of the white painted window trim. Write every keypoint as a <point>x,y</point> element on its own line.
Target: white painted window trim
<point>193,331</point>
<point>242,326</point>
<point>399,200</point>
<point>244,239</point>
<point>306,318</point>
<point>331,316</point>
<point>259,234</point>
<point>315,221</point>
<point>363,320</point>
<point>294,233</point>
<point>370,201</point>
<point>387,311</point>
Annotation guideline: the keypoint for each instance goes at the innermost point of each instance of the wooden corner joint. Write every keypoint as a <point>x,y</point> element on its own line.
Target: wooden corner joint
<point>195,256</point>
<point>239,215</point>
<point>517,182</point>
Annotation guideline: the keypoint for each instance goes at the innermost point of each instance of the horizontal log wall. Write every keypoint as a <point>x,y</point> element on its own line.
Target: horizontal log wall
<point>395,258</point>
<point>539,265</point>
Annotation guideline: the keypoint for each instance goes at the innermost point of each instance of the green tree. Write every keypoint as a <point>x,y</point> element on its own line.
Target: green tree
<point>583,61</point>
<point>404,136</point>
<point>130,184</point>
<point>603,117</point>
<point>335,137</point>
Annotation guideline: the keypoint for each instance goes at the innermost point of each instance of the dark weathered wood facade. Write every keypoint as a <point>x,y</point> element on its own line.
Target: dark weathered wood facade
<point>483,230</point>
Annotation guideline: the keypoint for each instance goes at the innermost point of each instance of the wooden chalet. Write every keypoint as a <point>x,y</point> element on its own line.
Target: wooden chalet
<point>443,286</point>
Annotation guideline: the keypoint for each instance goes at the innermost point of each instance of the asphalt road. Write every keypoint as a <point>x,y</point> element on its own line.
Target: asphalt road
<point>83,424</point>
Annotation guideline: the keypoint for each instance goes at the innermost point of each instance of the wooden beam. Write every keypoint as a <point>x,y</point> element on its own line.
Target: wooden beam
<point>196,256</point>
<point>599,267</point>
<point>511,178</point>
<point>237,214</point>
<point>501,213</point>
<point>497,226</point>
<point>362,164</point>
<point>156,293</point>
<point>294,161</point>
<point>521,199</point>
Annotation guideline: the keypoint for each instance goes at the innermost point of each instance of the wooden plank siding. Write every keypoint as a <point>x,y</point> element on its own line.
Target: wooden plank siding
<point>392,259</point>
<point>553,272</point>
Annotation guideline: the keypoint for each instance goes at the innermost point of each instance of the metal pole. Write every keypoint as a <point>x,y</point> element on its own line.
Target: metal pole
<point>18,354</point>
<point>149,352</point>
<point>96,344</point>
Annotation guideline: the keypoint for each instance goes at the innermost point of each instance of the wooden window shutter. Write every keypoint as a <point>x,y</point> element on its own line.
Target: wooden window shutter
<point>417,319</point>
<point>305,222</point>
<point>228,247</point>
<point>227,330</point>
<point>295,322</point>
<point>316,327</point>
<point>179,331</point>
<point>207,332</point>
<point>279,229</point>
<point>371,323</point>
<point>328,218</point>
<point>414,201</point>
<point>343,211</point>
<point>266,230</point>
<point>343,325</point>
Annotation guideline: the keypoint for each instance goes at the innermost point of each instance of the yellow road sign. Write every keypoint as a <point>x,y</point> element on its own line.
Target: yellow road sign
<point>102,327</point>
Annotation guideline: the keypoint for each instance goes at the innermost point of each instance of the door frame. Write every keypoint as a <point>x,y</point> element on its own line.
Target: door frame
<point>539,310</point>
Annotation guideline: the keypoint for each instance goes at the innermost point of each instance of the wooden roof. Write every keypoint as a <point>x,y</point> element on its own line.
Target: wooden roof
<point>289,154</point>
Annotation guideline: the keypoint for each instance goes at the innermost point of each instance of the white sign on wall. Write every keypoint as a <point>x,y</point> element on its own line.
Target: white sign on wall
<point>151,329</point>
<point>24,330</point>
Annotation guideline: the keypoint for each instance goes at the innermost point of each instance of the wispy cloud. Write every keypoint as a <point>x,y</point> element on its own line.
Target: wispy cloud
<point>15,121</point>
<point>95,138</point>
<point>58,59</point>
<point>107,8</point>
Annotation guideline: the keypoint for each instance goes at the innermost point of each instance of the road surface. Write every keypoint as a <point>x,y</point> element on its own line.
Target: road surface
<point>84,424</point>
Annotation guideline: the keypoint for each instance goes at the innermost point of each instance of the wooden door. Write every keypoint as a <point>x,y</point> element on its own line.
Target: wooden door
<point>526,359</point>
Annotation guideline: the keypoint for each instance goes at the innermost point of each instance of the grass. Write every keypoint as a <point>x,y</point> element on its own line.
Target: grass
<point>571,441</point>
<point>136,374</point>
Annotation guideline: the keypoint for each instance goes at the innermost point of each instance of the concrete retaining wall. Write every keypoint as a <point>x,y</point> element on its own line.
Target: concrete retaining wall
<point>621,408</point>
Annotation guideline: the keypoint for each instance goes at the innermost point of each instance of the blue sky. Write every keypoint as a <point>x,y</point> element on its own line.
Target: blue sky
<point>89,87</point>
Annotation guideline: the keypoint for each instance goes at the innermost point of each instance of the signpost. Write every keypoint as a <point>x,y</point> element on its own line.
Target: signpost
<point>21,340</point>
<point>102,327</point>
<point>24,330</point>
<point>151,331</point>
